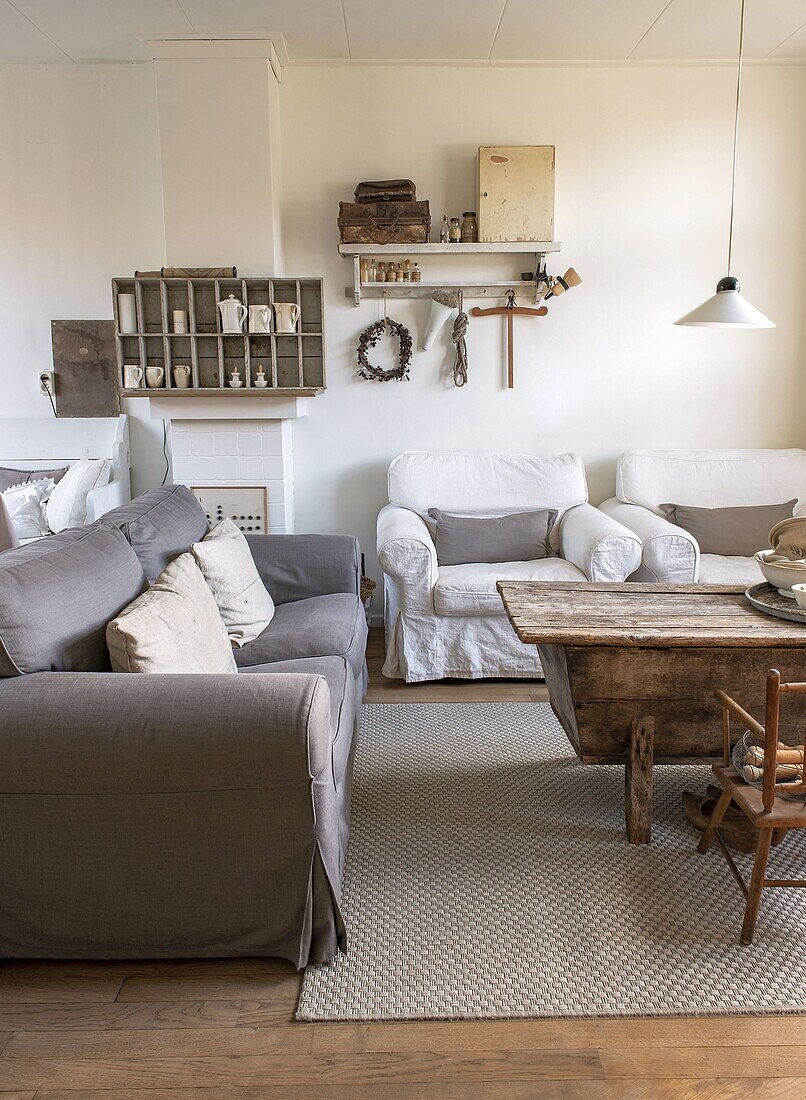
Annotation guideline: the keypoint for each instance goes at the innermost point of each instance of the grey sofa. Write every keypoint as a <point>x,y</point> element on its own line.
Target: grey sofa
<point>177,815</point>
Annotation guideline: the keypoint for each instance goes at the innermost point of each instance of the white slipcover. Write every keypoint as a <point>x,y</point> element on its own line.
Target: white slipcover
<point>703,479</point>
<point>450,621</point>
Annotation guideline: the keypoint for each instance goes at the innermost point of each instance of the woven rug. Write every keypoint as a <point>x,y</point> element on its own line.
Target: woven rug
<point>489,876</point>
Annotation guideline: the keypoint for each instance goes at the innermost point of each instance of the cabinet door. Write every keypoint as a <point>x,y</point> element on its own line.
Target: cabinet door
<point>516,193</point>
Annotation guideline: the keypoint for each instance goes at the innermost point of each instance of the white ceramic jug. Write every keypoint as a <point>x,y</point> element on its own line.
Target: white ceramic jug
<point>286,315</point>
<point>259,319</point>
<point>233,313</point>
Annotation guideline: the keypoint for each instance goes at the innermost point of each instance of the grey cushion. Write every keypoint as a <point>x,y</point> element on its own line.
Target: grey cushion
<point>466,540</point>
<point>321,626</point>
<point>729,531</point>
<point>9,476</point>
<point>160,525</point>
<point>58,594</point>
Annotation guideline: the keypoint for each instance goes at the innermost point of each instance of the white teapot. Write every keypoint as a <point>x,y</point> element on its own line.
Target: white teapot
<point>233,314</point>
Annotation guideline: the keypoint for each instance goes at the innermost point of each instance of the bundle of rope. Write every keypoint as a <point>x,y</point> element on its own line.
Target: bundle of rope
<point>458,337</point>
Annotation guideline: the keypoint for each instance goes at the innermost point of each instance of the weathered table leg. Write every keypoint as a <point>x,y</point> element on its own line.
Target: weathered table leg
<point>638,780</point>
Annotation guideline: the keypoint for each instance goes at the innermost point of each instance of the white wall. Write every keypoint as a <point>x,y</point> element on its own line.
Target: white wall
<point>643,175</point>
<point>80,202</point>
<point>643,172</point>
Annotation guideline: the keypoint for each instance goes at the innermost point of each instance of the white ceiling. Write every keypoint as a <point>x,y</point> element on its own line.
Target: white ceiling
<point>35,31</point>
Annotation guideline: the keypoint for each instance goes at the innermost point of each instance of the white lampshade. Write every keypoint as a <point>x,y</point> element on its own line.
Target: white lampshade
<point>726,309</point>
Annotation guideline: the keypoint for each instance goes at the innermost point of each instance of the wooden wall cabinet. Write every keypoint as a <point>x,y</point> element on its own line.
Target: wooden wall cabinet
<point>516,193</point>
<point>294,364</point>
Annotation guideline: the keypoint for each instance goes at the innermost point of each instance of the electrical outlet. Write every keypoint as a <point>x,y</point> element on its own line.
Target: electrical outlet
<point>47,382</point>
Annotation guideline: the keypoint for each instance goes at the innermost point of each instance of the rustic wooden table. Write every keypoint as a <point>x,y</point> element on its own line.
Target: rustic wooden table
<point>631,670</point>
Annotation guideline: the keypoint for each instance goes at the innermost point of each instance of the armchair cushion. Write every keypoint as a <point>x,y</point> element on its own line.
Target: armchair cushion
<point>598,545</point>
<point>517,536</point>
<point>711,479</point>
<point>729,569</point>
<point>729,531</point>
<point>470,589</point>
<point>322,626</point>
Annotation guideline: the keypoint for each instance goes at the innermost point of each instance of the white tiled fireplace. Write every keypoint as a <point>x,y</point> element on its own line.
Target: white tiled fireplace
<point>234,439</point>
<point>238,452</point>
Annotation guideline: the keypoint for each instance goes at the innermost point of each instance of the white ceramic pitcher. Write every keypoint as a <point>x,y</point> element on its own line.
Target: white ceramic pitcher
<point>286,315</point>
<point>233,314</point>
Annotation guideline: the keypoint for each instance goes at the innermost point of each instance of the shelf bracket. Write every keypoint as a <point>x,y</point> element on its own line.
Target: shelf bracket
<point>357,278</point>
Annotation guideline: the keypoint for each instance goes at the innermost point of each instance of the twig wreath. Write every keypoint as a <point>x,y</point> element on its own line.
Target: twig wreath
<point>369,339</point>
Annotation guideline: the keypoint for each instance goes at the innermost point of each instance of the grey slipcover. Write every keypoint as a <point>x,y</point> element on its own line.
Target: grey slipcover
<point>163,816</point>
<point>316,627</point>
<point>173,815</point>
<point>58,594</point>
<point>160,525</point>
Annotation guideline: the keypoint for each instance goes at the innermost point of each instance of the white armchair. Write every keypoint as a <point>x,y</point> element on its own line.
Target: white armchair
<point>705,479</point>
<point>449,621</point>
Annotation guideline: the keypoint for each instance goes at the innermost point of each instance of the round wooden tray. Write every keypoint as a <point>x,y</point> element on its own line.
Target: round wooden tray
<point>764,597</point>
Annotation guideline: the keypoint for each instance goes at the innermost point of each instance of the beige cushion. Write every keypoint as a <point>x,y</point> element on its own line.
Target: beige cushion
<point>173,627</point>
<point>227,565</point>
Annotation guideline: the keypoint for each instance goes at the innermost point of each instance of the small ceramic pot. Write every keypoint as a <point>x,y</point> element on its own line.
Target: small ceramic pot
<point>155,377</point>
<point>799,592</point>
<point>181,376</point>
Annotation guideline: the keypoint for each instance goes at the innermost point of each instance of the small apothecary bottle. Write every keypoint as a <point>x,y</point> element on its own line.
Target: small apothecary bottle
<point>365,271</point>
<point>381,272</point>
<point>456,231</point>
<point>416,274</point>
<point>444,233</point>
<point>470,227</point>
<point>407,271</point>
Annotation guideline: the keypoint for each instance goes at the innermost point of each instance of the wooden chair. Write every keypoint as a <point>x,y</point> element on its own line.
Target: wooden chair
<point>764,808</point>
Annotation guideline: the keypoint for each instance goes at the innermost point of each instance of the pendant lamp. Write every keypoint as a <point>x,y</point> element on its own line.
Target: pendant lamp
<point>727,308</point>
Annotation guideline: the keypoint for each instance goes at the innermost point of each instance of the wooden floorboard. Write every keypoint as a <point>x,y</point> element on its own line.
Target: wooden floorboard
<point>225,1029</point>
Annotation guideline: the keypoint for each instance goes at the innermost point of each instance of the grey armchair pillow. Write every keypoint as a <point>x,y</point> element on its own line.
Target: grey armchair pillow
<point>519,536</point>
<point>729,531</point>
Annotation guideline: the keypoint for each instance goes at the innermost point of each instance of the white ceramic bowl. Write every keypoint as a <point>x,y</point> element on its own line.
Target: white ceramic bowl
<point>782,573</point>
<point>799,592</point>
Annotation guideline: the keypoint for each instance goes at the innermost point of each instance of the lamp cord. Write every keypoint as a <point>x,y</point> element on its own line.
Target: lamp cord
<point>736,133</point>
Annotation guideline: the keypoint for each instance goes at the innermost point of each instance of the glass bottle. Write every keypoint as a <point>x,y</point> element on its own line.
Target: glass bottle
<point>470,227</point>
<point>456,231</point>
<point>444,233</point>
<point>416,274</point>
<point>373,272</point>
<point>365,271</point>
<point>407,271</point>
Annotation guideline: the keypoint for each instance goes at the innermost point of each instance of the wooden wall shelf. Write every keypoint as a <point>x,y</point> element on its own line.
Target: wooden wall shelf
<point>470,288</point>
<point>293,363</point>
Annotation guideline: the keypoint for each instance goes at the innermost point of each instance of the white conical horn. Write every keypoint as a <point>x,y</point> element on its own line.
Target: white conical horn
<point>442,307</point>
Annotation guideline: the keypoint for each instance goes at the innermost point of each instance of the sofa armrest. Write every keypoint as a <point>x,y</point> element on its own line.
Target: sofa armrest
<point>668,552</point>
<point>407,554</point>
<point>599,545</point>
<point>295,567</point>
<point>85,733</point>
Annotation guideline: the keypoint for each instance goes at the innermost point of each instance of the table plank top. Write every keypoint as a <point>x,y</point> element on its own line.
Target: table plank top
<point>642,615</point>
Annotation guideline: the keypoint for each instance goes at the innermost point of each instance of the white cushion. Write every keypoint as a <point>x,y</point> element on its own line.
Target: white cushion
<point>173,627</point>
<point>67,506</point>
<point>719,569</point>
<point>25,506</point>
<point>711,479</point>
<point>470,589</point>
<point>492,483</point>
<point>227,565</point>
